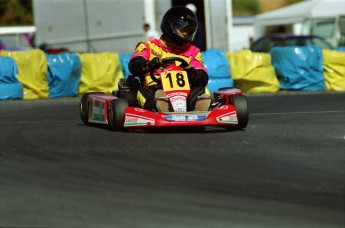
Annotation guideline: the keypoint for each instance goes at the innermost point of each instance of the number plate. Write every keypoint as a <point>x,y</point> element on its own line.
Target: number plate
<point>175,80</point>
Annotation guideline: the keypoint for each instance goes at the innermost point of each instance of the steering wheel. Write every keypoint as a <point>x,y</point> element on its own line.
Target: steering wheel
<point>167,61</point>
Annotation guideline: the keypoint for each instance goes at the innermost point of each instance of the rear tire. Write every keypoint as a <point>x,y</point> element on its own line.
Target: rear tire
<point>84,106</point>
<point>241,105</point>
<point>116,113</point>
<point>130,96</point>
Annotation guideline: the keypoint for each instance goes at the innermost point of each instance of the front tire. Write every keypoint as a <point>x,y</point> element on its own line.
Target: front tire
<point>84,106</point>
<point>241,105</point>
<point>116,113</point>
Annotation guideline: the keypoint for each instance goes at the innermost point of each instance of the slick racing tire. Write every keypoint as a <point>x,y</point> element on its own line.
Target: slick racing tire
<point>116,113</point>
<point>84,106</point>
<point>241,105</point>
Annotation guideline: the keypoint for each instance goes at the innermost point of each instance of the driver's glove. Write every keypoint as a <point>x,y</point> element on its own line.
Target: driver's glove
<point>133,82</point>
<point>154,63</point>
<point>191,72</point>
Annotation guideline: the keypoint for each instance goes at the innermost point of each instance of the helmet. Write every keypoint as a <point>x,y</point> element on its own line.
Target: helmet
<point>179,24</point>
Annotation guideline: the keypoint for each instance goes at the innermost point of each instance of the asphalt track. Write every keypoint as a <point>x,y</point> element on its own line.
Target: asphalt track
<point>286,169</point>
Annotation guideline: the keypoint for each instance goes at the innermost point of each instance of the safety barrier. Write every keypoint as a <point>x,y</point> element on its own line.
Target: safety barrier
<point>37,75</point>
<point>32,72</point>
<point>253,72</point>
<point>64,72</point>
<point>334,70</point>
<point>100,72</point>
<point>10,87</point>
<point>299,68</point>
<point>218,69</point>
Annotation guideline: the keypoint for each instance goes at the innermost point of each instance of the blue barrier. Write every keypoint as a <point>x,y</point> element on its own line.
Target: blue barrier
<point>10,87</point>
<point>299,68</point>
<point>124,59</point>
<point>341,48</point>
<point>64,72</point>
<point>218,68</point>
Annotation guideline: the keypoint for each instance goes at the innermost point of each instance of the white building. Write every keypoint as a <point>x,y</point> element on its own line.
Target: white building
<point>117,25</point>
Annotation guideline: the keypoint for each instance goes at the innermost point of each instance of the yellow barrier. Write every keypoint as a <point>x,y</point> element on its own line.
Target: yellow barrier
<point>100,72</point>
<point>32,72</point>
<point>253,72</point>
<point>334,70</point>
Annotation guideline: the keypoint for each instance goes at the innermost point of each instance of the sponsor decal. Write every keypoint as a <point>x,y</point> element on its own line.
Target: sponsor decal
<point>179,103</point>
<point>179,118</point>
<point>223,107</point>
<point>97,115</point>
<point>178,98</point>
<point>177,94</point>
<point>136,120</point>
<point>140,110</point>
<point>230,118</point>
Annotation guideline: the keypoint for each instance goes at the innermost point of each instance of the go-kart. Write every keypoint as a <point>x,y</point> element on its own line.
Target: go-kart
<point>120,110</point>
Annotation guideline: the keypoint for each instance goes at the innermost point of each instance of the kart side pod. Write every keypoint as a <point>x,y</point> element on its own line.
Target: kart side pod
<point>98,108</point>
<point>235,97</point>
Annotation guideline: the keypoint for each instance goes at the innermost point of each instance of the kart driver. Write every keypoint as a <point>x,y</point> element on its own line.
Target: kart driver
<point>179,26</point>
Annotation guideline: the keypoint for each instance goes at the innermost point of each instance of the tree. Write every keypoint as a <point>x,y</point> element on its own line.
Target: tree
<point>248,7</point>
<point>16,12</point>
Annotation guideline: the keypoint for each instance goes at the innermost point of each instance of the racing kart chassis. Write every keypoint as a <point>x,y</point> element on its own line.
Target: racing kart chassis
<point>229,109</point>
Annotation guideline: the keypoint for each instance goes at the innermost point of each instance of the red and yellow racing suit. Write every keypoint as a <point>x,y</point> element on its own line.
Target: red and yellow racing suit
<point>146,51</point>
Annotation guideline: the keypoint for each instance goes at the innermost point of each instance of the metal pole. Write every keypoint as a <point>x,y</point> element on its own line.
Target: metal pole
<point>229,23</point>
<point>149,8</point>
<point>87,32</point>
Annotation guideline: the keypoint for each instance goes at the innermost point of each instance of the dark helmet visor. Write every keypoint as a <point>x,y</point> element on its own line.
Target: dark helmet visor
<point>183,27</point>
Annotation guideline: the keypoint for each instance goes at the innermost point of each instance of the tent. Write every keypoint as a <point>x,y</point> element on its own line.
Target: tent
<point>298,12</point>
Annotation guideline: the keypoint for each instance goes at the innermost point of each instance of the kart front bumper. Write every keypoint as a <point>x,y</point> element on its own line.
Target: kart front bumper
<point>139,118</point>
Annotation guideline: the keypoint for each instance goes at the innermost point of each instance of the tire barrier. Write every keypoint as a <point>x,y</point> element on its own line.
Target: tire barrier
<point>253,72</point>
<point>10,87</point>
<point>100,72</point>
<point>218,69</point>
<point>124,60</point>
<point>64,72</point>
<point>334,70</point>
<point>299,68</point>
<point>34,74</point>
<point>342,49</point>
